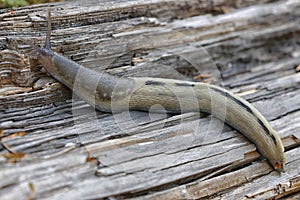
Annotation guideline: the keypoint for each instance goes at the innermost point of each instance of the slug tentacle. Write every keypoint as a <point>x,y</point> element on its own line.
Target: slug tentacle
<point>114,94</point>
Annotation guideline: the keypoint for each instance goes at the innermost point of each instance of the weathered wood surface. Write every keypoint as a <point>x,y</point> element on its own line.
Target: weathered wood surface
<point>66,150</point>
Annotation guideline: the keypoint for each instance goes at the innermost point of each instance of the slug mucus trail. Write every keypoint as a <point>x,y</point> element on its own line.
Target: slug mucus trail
<point>114,94</point>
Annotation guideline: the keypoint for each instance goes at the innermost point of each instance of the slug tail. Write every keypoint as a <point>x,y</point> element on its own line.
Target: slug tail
<point>47,42</point>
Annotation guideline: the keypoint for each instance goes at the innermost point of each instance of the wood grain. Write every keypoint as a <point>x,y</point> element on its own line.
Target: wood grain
<point>72,151</point>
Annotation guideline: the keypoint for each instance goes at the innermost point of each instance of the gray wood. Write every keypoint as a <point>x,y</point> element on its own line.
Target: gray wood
<point>71,151</point>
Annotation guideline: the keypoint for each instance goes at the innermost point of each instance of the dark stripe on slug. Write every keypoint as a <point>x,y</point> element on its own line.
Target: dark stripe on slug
<point>185,84</point>
<point>154,83</point>
<point>241,104</point>
<point>237,101</point>
<point>264,127</point>
<point>273,138</point>
<point>224,93</point>
<point>266,130</point>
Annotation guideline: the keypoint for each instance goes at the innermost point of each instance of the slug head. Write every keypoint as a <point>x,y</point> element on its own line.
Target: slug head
<point>276,155</point>
<point>278,165</point>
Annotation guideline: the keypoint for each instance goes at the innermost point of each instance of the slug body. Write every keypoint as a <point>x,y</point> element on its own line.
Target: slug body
<point>113,94</point>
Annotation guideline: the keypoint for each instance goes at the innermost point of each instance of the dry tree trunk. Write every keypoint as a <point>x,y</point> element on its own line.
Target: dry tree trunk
<point>55,146</point>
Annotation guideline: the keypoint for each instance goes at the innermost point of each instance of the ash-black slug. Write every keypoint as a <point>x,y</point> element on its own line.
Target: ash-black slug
<point>114,94</point>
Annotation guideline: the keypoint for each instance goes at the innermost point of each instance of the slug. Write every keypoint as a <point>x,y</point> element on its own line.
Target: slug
<point>114,94</point>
